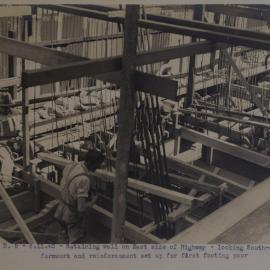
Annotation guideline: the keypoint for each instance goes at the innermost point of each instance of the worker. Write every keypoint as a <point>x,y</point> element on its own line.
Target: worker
<point>75,186</point>
<point>167,110</point>
<point>6,165</point>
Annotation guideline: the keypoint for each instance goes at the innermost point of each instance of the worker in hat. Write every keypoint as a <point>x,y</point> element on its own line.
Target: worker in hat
<point>75,186</point>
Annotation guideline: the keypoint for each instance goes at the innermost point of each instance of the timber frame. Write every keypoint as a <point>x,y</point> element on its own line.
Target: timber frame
<point>61,66</point>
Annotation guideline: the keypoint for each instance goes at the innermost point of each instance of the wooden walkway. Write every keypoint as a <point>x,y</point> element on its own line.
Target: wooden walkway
<point>246,219</point>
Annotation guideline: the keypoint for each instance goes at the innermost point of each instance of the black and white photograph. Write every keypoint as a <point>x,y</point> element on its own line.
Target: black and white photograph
<point>135,124</point>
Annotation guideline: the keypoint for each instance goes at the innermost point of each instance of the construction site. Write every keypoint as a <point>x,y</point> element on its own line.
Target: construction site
<point>164,110</point>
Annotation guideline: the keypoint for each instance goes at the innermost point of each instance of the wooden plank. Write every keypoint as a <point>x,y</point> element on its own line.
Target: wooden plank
<point>10,82</point>
<point>257,43</point>
<point>184,50</point>
<point>241,115</point>
<point>16,215</point>
<point>15,11</point>
<point>198,14</point>
<point>70,71</point>
<point>132,183</point>
<point>162,192</point>
<point>155,85</point>
<point>213,54</point>
<point>182,210</point>
<point>196,171</point>
<point>26,129</point>
<point>225,217</point>
<point>35,53</point>
<point>237,11</point>
<point>236,136</point>
<point>126,119</point>
<point>132,232</point>
<point>51,57</point>
<point>79,11</point>
<point>209,26</point>
<point>45,215</point>
<point>95,7</point>
<point>228,118</point>
<point>162,24</point>
<point>189,182</point>
<point>143,81</point>
<point>173,178</point>
<point>226,147</point>
<point>23,202</point>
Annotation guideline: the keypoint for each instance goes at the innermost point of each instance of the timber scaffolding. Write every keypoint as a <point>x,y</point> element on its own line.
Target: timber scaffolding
<point>198,185</point>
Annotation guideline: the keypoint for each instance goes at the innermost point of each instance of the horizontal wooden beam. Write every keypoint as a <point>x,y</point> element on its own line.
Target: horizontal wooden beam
<point>221,220</point>
<point>10,82</point>
<point>15,11</point>
<point>84,12</point>
<point>94,7</point>
<point>180,180</point>
<point>223,130</point>
<point>38,54</point>
<point>131,231</point>
<point>233,10</point>
<point>224,117</point>
<point>78,40</point>
<point>217,36</point>
<point>51,57</point>
<point>172,178</point>
<point>214,36</point>
<point>132,183</point>
<point>196,171</point>
<point>174,52</point>
<point>249,115</point>
<point>258,6</point>
<point>103,216</point>
<point>225,147</point>
<point>209,26</point>
<point>70,71</point>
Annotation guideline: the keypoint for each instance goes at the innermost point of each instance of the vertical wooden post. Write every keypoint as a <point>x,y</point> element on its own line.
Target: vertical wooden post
<point>25,114</point>
<point>198,15</point>
<point>84,47</point>
<point>11,66</point>
<point>177,139</point>
<point>25,128</point>
<point>59,37</point>
<point>126,122</point>
<point>213,54</point>
<point>231,21</point>
<point>38,19</point>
